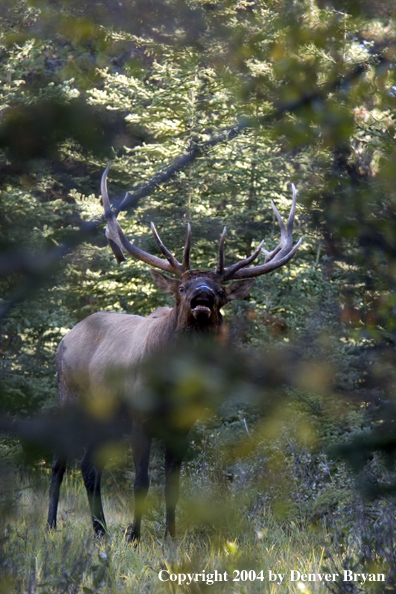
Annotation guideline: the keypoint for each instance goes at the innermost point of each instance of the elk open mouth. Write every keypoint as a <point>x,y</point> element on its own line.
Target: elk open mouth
<point>201,307</point>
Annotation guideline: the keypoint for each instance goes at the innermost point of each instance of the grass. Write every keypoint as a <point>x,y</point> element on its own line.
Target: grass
<point>69,559</point>
<point>277,508</point>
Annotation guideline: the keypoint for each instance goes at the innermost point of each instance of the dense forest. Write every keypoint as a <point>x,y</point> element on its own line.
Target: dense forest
<point>207,111</point>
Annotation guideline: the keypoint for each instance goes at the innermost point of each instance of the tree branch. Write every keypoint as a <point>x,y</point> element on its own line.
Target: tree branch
<point>36,267</point>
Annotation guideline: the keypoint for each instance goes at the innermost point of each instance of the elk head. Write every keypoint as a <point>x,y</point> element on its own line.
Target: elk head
<point>200,295</point>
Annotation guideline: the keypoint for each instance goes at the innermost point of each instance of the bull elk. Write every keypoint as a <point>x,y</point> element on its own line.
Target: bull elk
<point>103,342</point>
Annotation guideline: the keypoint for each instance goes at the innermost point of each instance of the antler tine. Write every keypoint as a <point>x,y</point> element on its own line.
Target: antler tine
<point>187,248</point>
<point>279,256</point>
<point>292,210</point>
<point>220,261</point>
<point>286,233</point>
<point>270,255</point>
<point>120,244</point>
<point>103,190</point>
<point>112,227</point>
<point>231,270</point>
<point>177,266</point>
<point>279,218</point>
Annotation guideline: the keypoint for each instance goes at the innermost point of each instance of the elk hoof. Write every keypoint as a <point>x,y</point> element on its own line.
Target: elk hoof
<point>132,536</point>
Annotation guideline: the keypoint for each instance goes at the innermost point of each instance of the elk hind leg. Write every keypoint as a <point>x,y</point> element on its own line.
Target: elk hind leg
<point>57,472</point>
<point>173,462</point>
<point>92,475</point>
<point>141,444</point>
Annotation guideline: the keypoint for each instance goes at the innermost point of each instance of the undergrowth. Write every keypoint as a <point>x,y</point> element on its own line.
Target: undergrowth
<point>275,505</point>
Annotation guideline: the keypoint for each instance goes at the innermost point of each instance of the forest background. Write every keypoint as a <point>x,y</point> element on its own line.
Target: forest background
<point>207,111</point>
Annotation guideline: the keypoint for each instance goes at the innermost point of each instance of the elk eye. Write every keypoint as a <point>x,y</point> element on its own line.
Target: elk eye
<point>181,289</point>
<point>220,293</point>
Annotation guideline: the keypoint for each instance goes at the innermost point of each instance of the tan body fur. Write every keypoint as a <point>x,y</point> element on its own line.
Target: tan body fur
<point>89,356</point>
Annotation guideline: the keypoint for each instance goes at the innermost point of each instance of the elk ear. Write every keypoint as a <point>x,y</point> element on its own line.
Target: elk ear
<point>240,289</point>
<point>165,283</point>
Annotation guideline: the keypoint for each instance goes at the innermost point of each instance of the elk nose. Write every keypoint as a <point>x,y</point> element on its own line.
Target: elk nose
<point>202,301</point>
<point>204,293</point>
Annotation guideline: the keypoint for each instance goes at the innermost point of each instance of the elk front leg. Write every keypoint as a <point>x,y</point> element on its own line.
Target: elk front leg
<point>58,470</point>
<point>92,476</point>
<point>141,444</point>
<point>173,461</point>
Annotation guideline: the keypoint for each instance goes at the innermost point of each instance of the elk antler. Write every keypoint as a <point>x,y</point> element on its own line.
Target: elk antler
<point>120,244</point>
<point>279,256</point>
